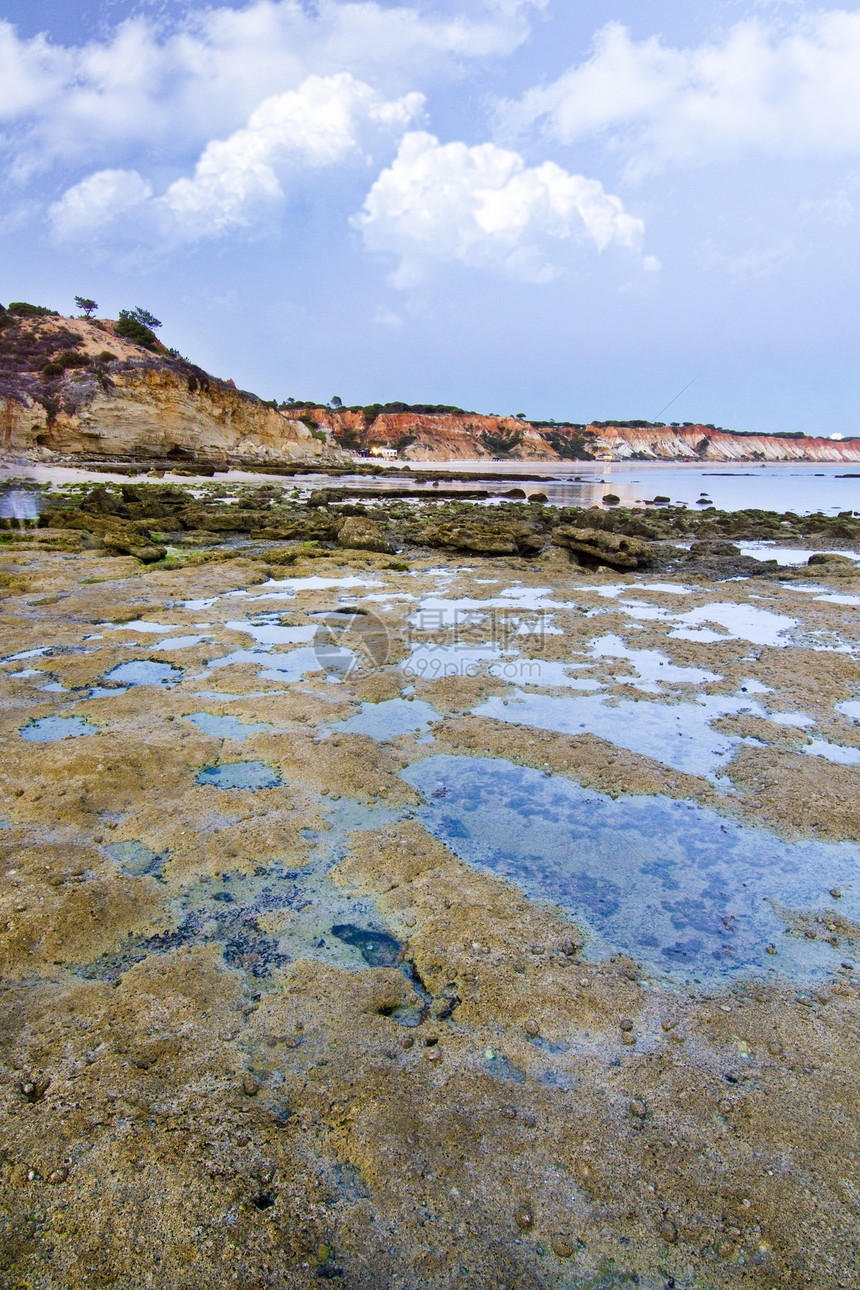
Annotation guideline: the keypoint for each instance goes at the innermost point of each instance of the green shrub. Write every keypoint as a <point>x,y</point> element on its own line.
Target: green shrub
<point>319,434</point>
<point>131,329</point>
<point>501,444</point>
<point>24,310</point>
<point>71,358</point>
<point>52,369</point>
<point>106,356</point>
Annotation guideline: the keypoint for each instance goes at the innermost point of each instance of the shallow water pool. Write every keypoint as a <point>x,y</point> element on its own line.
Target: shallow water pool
<point>144,671</point>
<point>247,775</point>
<point>673,884</point>
<point>51,728</point>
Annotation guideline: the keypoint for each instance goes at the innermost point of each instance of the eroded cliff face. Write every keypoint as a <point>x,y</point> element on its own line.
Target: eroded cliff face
<point>468,436</point>
<point>118,400</point>
<point>148,411</point>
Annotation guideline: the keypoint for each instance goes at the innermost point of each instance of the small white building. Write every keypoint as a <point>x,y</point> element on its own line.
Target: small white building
<point>390,454</point>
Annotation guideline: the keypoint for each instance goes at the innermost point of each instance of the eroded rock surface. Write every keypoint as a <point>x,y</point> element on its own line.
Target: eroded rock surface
<point>268,1027</point>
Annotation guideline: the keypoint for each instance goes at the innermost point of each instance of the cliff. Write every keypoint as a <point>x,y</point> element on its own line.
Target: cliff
<point>71,386</point>
<point>468,436</point>
<point>74,387</point>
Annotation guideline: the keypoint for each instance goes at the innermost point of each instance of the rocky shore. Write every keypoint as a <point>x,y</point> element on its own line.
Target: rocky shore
<point>300,980</point>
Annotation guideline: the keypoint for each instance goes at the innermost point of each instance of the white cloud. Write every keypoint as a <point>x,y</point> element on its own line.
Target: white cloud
<point>239,180</point>
<point>106,196</point>
<point>146,85</point>
<point>483,207</point>
<point>785,91</point>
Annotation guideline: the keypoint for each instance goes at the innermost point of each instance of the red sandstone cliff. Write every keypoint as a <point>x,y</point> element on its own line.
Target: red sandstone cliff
<point>469,437</point>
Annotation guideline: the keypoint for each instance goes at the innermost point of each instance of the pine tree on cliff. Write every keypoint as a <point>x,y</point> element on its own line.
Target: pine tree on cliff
<point>86,305</point>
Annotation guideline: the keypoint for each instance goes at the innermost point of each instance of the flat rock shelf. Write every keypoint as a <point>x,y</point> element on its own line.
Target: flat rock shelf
<point>471,909</point>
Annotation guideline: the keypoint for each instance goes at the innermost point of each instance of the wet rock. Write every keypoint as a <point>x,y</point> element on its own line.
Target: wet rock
<point>829,557</point>
<point>129,543</point>
<point>596,547</point>
<point>484,536</point>
<point>524,1217</point>
<point>34,1089</point>
<point>360,534</point>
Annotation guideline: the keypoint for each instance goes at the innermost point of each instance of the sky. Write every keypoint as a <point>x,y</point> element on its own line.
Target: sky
<point>577,210</point>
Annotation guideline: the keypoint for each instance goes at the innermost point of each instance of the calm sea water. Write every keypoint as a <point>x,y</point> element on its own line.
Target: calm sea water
<point>801,488</point>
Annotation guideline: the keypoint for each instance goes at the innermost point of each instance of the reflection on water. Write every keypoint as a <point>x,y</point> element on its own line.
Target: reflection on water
<point>802,488</point>
<point>673,884</point>
<point>18,504</point>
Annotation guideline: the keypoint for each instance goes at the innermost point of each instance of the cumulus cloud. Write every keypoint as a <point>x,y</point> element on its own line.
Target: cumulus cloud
<point>237,181</point>
<point>483,207</point>
<point>784,91</point>
<point>177,87</point>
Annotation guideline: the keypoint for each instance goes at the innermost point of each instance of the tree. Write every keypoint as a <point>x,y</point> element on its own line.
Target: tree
<point>133,329</point>
<point>336,402</point>
<point>86,306</point>
<point>144,317</point>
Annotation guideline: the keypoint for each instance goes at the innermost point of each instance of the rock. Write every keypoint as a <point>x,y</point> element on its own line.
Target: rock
<point>667,1231</point>
<point>595,546</point>
<point>483,536</point>
<point>561,1245</point>
<point>146,552</point>
<point>532,1028</point>
<point>829,557</point>
<point>524,1217</point>
<point>360,534</point>
<point>625,1024</point>
<point>250,1086</point>
<point>638,1108</point>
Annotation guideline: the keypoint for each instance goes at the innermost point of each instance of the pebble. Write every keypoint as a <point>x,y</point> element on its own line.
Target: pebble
<point>250,1086</point>
<point>433,1054</point>
<point>771,949</point>
<point>836,893</point>
<point>638,1108</point>
<point>627,1037</point>
<point>775,1048</point>
<point>625,1024</point>
<point>431,1039</point>
<point>57,1176</point>
<point>726,1106</point>
<point>407,1041</point>
<point>509,1112</point>
<point>667,1231</point>
<point>528,1120</point>
<point>562,1246</point>
<point>532,1028</point>
<point>524,1217</point>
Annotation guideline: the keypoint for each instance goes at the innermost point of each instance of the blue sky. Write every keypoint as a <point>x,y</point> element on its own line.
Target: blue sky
<point>569,210</point>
